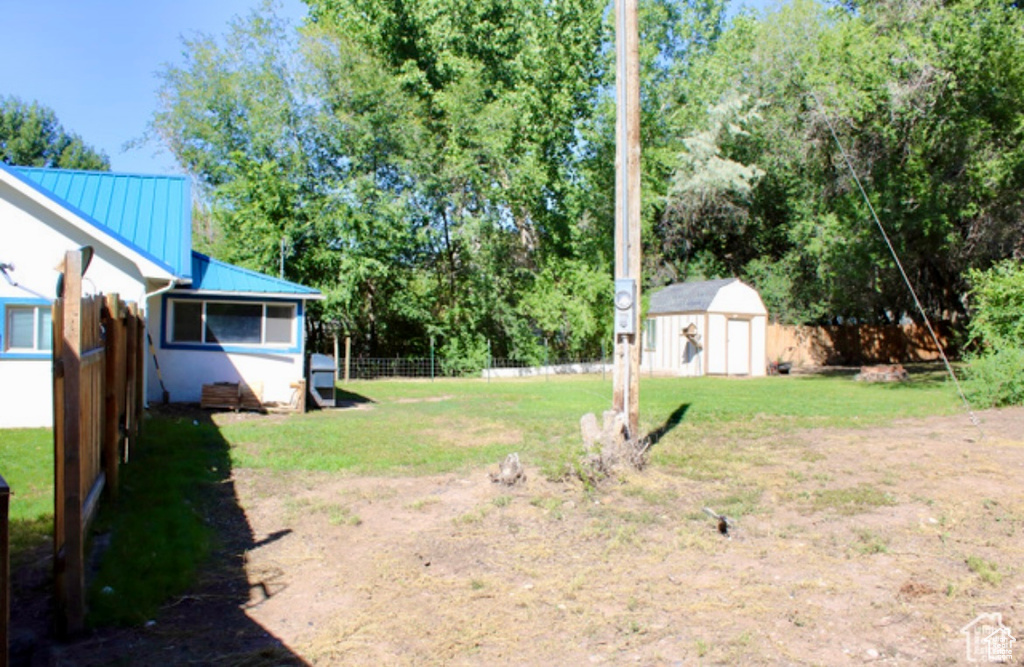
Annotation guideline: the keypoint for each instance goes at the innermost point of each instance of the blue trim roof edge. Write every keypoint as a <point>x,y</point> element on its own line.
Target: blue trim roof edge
<point>286,286</point>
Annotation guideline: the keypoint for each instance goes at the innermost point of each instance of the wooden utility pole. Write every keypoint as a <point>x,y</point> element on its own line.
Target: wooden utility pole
<point>626,375</point>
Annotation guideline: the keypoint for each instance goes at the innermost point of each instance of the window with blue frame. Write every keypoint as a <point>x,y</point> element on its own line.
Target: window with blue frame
<point>27,329</point>
<point>231,323</point>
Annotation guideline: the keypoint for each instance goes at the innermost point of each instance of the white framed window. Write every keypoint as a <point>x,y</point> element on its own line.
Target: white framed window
<point>650,333</point>
<point>231,323</point>
<point>28,329</point>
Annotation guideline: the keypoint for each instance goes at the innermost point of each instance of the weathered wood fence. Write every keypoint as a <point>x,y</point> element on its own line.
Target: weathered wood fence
<point>5,571</point>
<point>97,402</point>
<point>852,345</point>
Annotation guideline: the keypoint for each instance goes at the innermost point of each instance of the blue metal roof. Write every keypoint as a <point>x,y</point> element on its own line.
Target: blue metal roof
<point>211,275</point>
<point>151,214</point>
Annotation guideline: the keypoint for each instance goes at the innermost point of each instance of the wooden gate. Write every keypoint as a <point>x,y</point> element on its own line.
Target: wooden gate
<point>97,400</point>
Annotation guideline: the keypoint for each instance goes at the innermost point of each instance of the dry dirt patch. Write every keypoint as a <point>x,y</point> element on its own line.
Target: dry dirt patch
<point>851,546</point>
<point>453,569</point>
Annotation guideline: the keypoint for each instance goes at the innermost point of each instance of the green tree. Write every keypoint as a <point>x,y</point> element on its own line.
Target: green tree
<point>925,99</point>
<point>31,136</point>
<point>418,159</point>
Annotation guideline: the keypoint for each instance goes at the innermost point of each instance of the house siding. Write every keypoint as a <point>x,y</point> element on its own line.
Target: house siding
<point>186,369</point>
<point>36,237</point>
<point>35,240</point>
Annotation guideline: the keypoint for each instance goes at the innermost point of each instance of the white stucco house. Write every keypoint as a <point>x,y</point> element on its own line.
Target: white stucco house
<point>714,327</point>
<point>209,321</point>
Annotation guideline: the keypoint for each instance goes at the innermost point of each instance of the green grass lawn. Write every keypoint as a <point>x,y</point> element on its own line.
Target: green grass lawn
<point>422,426</point>
<point>26,463</point>
<point>415,427</point>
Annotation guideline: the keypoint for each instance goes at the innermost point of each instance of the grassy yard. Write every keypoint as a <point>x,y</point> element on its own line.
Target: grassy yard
<point>413,428</point>
<point>423,427</point>
<point>26,463</point>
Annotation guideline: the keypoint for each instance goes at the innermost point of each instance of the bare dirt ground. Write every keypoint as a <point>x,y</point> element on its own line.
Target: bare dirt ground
<point>850,546</point>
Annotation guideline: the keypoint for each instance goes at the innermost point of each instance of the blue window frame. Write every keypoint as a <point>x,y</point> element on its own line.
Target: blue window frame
<point>231,324</point>
<point>26,329</point>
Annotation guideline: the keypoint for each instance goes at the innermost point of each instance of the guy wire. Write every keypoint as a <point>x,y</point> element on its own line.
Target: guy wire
<point>892,250</point>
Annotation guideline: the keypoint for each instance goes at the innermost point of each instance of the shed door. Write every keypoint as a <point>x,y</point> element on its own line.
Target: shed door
<point>739,347</point>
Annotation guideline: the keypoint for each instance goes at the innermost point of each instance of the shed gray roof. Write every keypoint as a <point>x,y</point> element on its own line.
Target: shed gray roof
<point>687,297</point>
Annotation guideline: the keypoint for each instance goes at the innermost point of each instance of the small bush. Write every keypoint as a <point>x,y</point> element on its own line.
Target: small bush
<point>997,330</point>
<point>996,378</point>
<point>997,305</point>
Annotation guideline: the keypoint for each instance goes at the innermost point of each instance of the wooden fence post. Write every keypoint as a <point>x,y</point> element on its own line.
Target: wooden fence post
<point>70,570</point>
<point>140,366</point>
<point>131,376</point>
<point>113,366</point>
<point>5,572</point>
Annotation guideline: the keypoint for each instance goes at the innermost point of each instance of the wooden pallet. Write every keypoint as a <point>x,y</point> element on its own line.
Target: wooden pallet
<point>232,396</point>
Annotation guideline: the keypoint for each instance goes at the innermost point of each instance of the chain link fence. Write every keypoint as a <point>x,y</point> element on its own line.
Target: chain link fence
<point>376,368</point>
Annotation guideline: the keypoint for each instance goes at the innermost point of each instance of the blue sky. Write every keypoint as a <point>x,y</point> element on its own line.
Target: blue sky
<point>94,62</point>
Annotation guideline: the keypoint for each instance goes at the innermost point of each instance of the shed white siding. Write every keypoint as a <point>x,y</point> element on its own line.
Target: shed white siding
<point>713,344</point>
<point>671,349</point>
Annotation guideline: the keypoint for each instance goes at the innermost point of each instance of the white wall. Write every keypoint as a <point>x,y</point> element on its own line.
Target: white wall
<point>36,249</point>
<point>26,393</point>
<point>759,345</point>
<point>35,239</point>
<point>186,371</point>
<point>737,299</point>
<point>715,344</point>
<point>672,352</point>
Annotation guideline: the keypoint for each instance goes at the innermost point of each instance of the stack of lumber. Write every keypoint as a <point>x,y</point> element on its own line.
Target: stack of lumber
<point>232,396</point>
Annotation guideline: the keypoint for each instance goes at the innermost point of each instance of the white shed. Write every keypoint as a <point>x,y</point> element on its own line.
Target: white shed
<point>714,327</point>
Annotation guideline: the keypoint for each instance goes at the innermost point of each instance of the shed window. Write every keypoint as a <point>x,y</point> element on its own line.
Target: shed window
<point>650,333</point>
<point>231,323</point>
<point>28,329</point>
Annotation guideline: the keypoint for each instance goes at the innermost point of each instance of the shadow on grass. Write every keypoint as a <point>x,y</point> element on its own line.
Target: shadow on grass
<point>167,579</point>
<point>346,399</point>
<point>673,420</point>
<point>921,374</point>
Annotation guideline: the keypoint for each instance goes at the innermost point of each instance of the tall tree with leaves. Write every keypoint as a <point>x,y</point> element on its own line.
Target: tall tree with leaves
<point>490,95</point>
<point>924,99</point>
<point>31,136</point>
